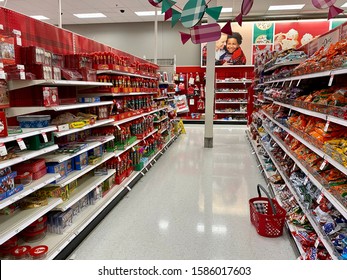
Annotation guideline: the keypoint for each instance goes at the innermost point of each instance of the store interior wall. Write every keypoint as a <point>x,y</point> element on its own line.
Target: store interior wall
<point>138,39</point>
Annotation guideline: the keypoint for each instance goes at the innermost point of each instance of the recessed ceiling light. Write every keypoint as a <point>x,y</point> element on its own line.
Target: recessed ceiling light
<point>147,13</point>
<point>227,10</point>
<point>90,15</point>
<point>344,5</point>
<point>286,7</point>
<point>39,17</point>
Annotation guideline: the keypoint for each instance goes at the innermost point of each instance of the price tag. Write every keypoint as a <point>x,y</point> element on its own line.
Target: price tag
<point>277,84</point>
<point>21,144</point>
<point>290,84</point>
<point>298,83</point>
<point>132,148</point>
<point>2,75</point>
<point>306,181</point>
<point>316,244</point>
<point>118,127</point>
<point>286,136</point>
<point>320,197</point>
<point>19,41</point>
<point>285,156</point>
<point>1,27</point>
<point>44,135</point>
<point>290,111</point>
<point>129,189</point>
<point>331,80</point>
<point>283,83</point>
<point>143,174</point>
<point>294,167</point>
<point>324,163</point>
<point>3,151</point>
<point>118,158</point>
<point>326,127</point>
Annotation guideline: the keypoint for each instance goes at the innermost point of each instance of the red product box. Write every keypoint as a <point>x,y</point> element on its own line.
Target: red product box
<point>69,74</point>
<point>42,172</point>
<point>3,125</point>
<point>4,96</point>
<point>50,96</point>
<point>31,165</point>
<point>7,51</point>
<point>32,55</point>
<point>41,71</point>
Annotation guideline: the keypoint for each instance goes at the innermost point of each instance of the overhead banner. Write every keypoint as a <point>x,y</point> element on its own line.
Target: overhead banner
<point>255,39</point>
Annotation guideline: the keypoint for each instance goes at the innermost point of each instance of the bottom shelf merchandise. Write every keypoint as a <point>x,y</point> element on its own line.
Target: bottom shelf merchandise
<point>69,211</point>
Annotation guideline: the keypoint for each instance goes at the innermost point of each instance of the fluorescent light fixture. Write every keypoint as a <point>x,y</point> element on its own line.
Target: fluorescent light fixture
<point>147,13</point>
<point>344,5</point>
<point>286,7</point>
<point>227,10</point>
<point>90,15</point>
<point>39,17</point>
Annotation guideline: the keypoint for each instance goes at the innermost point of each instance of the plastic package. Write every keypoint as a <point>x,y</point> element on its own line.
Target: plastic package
<point>34,121</point>
<point>21,253</point>
<point>33,236</point>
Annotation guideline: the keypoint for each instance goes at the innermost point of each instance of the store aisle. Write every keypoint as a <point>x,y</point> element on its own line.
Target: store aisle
<point>193,204</point>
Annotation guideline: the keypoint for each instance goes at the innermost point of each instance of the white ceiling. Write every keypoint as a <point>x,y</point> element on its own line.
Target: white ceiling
<point>111,8</point>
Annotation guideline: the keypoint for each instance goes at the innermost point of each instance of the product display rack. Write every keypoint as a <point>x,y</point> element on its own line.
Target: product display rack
<point>279,87</point>
<point>60,245</point>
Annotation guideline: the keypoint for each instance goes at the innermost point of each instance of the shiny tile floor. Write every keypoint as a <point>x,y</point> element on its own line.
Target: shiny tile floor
<point>193,204</point>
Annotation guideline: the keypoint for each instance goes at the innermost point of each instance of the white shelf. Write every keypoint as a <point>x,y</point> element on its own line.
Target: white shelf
<point>115,94</point>
<point>27,132</point>
<point>17,84</point>
<point>138,116</point>
<point>231,102</point>
<point>314,114</point>
<point>268,98</point>
<point>342,209</point>
<point>75,130</point>
<point>12,224</point>
<point>244,81</point>
<point>288,63</point>
<point>78,173</point>
<point>163,119</point>
<point>18,111</point>
<point>231,92</point>
<point>83,189</point>
<point>25,155</point>
<point>63,157</point>
<point>161,98</point>
<point>34,186</point>
<point>163,130</point>
<point>115,72</point>
<point>228,113</point>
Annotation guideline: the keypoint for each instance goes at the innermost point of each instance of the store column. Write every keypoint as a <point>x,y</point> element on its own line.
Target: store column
<point>210,73</point>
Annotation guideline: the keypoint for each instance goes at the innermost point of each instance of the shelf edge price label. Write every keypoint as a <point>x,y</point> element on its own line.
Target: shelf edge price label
<point>21,144</point>
<point>285,155</point>
<point>331,80</point>
<point>316,244</point>
<point>3,150</point>
<point>298,83</point>
<point>118,158</point>
<point>294,166</point>
<point>117,127</point>
<point>302,220</point>
<point>326,127</point>
<point>44,135</point>
<point>290,84</point>
<point>324,163</point>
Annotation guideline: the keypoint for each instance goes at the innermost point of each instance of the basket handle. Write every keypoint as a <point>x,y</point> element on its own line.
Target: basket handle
<point>268,196</point>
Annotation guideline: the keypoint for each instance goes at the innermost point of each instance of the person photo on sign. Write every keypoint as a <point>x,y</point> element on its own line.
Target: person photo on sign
<point>234,54</point>
<point>220,45</point>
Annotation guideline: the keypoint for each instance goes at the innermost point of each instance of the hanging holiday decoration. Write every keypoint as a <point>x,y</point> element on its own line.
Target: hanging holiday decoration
<point>155,3</point>
<point>205,33</point>
<point>245,9</point>
<point>190,16</point>
<point>323,4</point>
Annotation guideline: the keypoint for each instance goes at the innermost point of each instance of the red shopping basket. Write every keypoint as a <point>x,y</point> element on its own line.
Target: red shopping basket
<point>267,215</point>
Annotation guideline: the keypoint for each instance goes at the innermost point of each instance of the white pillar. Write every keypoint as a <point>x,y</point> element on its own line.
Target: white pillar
<point>60,14</point>
<point>210,82</point>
